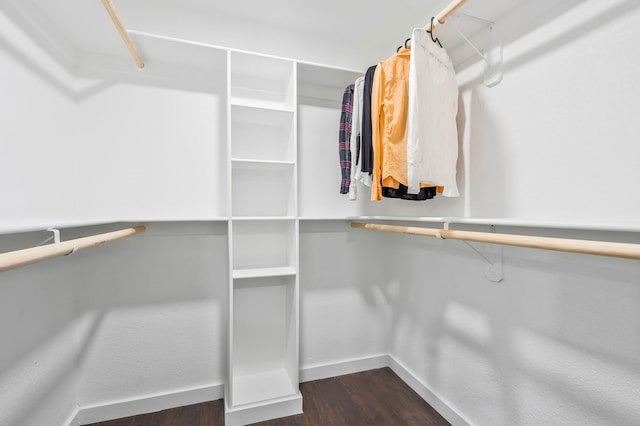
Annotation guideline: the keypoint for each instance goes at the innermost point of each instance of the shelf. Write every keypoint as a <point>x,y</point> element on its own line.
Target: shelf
<point>159,49</point>
<point>265,339</point>
<point>263,191</point>
<point>263,240</point>
<point>261,218</point>
<point>321,218</point>
<point>587,226</point>
<point>263,272</point>
<point>264,244</point>
<point>400,218</point>
<point>262,81</point>
<point>525,223</point>
<point>175,219</point>
<point>169,60</point>
<point>262,411</point>
<point>260,387</point>
<point>323,86</point>
<point>38,226</point>
<point>248,161</point>
<point>244,102</point>
<point>262,134</point>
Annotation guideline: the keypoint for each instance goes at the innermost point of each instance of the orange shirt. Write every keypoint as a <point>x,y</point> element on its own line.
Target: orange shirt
<point>389,113</point>
<point>389,107</point>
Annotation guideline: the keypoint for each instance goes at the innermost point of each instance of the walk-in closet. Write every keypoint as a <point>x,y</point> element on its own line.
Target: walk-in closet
<point>425,208</point>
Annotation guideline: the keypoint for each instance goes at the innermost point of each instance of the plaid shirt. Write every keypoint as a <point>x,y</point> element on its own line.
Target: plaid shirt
<point>344,137</point>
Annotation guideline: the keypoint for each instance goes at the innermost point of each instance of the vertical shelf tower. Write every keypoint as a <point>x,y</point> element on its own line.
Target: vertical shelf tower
<point>263,240</point>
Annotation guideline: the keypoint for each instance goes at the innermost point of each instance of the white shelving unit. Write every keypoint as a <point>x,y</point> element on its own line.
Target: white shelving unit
<point>263,241</point>
<point>263,102</point>
<point>262,82</point>
<point>263,189</point>
<point>262,134</point>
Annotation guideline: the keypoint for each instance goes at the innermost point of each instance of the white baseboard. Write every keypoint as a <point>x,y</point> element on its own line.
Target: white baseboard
<point>324,371</point>
<point>425,393</point>
<point>131,407</point>
<point>150,404</point>
<point>74,418</point>
<point>254,413</point>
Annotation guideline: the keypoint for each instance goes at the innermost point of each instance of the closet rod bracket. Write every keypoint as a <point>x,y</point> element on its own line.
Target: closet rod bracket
<point>55,236</point>
<point>56,240</point>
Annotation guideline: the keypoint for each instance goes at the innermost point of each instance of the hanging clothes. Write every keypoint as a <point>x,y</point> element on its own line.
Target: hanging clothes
<point>432,144</point>
<point>389,111</point>
<point>366,138</point>
<point>356,139</point>
<point>344,136</point>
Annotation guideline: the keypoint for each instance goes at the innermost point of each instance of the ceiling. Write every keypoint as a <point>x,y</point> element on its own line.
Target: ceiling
<point>365,31</point>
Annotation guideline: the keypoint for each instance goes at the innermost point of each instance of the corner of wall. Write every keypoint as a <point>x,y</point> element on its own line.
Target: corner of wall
<point>436,401</point>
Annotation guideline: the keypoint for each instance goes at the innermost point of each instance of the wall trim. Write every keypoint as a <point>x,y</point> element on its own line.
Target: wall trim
<point>148,404</point>
<point>333,369</point>
<point>74,418</point>
<point>438,403</point>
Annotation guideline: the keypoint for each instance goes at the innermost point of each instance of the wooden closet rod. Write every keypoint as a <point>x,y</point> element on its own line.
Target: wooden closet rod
<point>443,15</point>
<point>601,248</point>
<point>446,12</point>
<point>15,259</point>
<point>108,4</point>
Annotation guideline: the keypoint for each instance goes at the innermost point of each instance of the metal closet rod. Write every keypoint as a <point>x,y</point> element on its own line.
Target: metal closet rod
<point>600,248</point>
<point>113,13</point>
<point>443,16</point>
<point>15,259</point>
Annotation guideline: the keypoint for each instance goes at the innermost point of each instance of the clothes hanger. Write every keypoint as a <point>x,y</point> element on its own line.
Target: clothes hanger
<point>435,40</point>
<point>405,45</point>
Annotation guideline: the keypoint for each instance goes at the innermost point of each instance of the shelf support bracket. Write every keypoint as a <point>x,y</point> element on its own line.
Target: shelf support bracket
<point>482,255</point>
<point>491,54</point>
<point>493,259</point>
<point>493,271</point>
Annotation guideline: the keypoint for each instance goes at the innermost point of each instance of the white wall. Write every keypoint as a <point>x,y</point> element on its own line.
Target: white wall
<point>36,110</point>
<point>89,150</point>
<point>127,321</point>
<point>136,318</point>
<point>556,139</point>
<point>153,317</point>
<point>38,374</point>
<point>149,153</point>
<point>557,341</point>
<point>344,311</point>
<point>319,168</point>
<point>143,317</point>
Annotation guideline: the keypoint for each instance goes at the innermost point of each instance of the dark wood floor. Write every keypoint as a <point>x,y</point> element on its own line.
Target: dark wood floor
<point>376,397</point>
